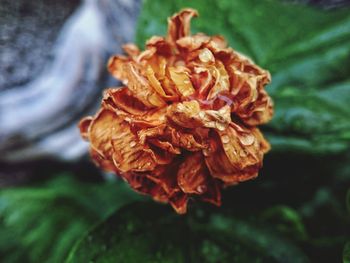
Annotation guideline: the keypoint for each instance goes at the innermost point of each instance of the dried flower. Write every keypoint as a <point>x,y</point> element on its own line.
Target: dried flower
<point>183,124</point>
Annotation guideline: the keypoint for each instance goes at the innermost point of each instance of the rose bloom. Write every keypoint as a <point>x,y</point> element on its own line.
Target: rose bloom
<point>183,125</point>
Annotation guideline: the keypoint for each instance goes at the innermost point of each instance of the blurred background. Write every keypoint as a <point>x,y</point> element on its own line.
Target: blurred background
<point>53,58</point>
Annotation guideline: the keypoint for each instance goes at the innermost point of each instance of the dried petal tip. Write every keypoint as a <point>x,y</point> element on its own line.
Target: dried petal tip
<point>184,123</point>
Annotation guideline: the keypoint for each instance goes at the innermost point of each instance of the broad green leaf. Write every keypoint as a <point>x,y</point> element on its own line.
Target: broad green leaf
<point>307,51</point>
<point>41,223</point>
<point>147,232</point>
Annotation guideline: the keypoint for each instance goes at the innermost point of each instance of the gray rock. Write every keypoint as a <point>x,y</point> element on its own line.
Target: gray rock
<point>53,58</point>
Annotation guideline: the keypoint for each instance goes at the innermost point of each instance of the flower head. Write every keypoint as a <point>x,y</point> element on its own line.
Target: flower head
<point>184,122</point>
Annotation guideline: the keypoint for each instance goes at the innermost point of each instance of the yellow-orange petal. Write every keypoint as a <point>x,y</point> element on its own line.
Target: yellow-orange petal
<point>181,80</point>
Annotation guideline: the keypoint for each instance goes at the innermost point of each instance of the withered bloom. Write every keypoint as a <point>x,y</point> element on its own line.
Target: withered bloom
<point>184,123</point>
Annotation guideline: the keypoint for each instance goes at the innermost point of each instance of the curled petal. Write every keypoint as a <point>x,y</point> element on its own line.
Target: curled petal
<point>241,147</point>
<point>217,119</point>
<point>141,183</point>
<point>165,145</point>
<point>84,125</point>
<point>222,83</point>
<point>251,101</point>
<point>192,175</point>
<point>239,151</point>
<point>132,50</point>
<point>160,44</point>
<point>112,139</point>
<point>176,138</point>
<point>185,114</point>
<point>157,85</point>
<point>128,72</point>
<point>184,140</point>
<point>213,193</point>
<point>191,43</point>
<point>122,98</point>
<point>179,24</point>
<point>206,56</point>
<point>141,88</point>
<point>181,81</point>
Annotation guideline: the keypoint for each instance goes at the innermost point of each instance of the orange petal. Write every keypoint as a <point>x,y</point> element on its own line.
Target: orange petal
<point>122,98</point>
<point>160,44</point>
<point>111,138</point>
<point>132,50</point>
<point>192,175</point>
<point>183,140</point>
<point>157,85</point>
<point>141,89</point>
<point>128,72</point>
<point>116,66</point>
<point>251,102</point>
<point>179,24</point>
<point>191,43</point>
<point>84,125</point>
<point>167,146</point>
<point>185,114</point>
<point>222,83</point>
<point>239,151</point>
<point>102,162</point>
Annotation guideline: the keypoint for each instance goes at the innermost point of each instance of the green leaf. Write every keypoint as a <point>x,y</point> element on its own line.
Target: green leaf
<point>307,50</point>
<point>41,223</point>
<point>346,253</point>
<point>147,232</point>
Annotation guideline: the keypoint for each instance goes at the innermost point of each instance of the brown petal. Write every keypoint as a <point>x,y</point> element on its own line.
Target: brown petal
<point>213,194</point>
<point>179,202</point>
<point>141,183</point>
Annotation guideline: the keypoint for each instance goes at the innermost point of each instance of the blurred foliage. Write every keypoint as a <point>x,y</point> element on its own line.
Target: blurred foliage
<point>41,223</point>
<point>150,233</point>
<point>297,210</point>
